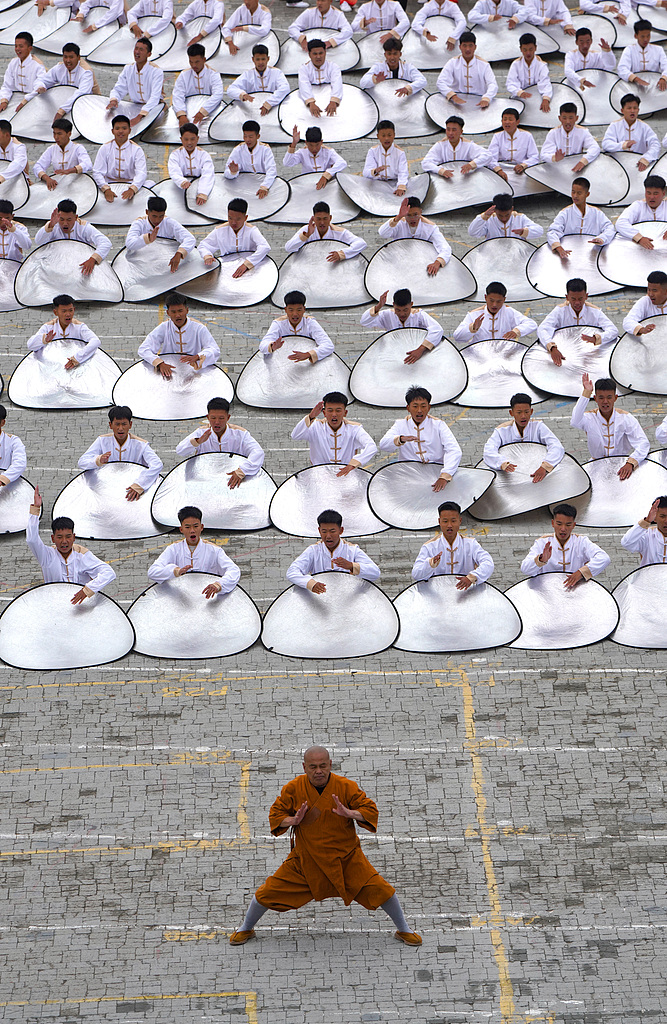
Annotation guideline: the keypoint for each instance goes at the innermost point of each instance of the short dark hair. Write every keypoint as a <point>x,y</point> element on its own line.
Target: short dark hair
<point>584,182</point>
<point>392,44</point>
<point>527,38</point>
<point>512,111</point>
<point>6,206</point>
<point>120,412</point>
<point>455,119</point>
<point>63,124</point>
<point>294,298</point>
<point>567,108</point>
<point>5,126</point>
<point>385,123</point>
<point>630,98</point>
<point>237,206</point>
<point>313,134</point>
<point>72,48</point>
<point>583,31</point>
<point>188,127</point>
<point>251,126</point>
<point>503,201</point>
<point>175,299</point>
<point>662,501</point>
<point>521,398</point>
<point>321,207</point>
<point>62,523</point>
<point>196,50</point>
<point>66,206</point>
<point>24,35</point>
<point>147,43</point>
<point>605,384</point>
<point>330,516</point>
<point>402,297</point>
<point>335,398</point>
<point>643,25</point>
<point>576,284</point>
<point>654,181</point>
<point>62,300</point>
<point>3,413</point>
<point>657,277</point>
<point>417,392</point>
<point>217,403</point>
<point>467,37</point>
<point>495,288</point>
<point>157,204</point>
<point>449,506</point>
<point>260,48</point>
<point>120,119</point>
<point>414,202</point>
<point>564,510</point>
<point>189,512</point>
<point>315,44</point>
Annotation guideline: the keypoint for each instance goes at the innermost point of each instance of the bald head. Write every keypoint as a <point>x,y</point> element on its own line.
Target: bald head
<point>317,765</point>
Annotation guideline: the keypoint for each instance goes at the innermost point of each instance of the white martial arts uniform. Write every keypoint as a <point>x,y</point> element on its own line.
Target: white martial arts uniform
<point>13,459</point>
<point>484,10</point>
<point>114,10</point>
<point>225,240</point>
<point>643,309</point>
<point>318,558</point>
<point>144,87</point>
<point>329,74</point>
<point>234,439</point>
<point>184,166</point>
<point>646,539</point>
<point>444,9</point>
<point>14,244</point>
<point>81,566</point>
<point>387,320</point>
<point>522,77</point>
<point>425,230</point>
<point>514,149</point>
<point>81,232</point>
<point>138,236</point>
<point>465,557</point>
<point>538,12</point>
<point>213,9</point>
<point>461,76</point>
<point>443,151</point>
<point>405,72</point>
<point>564,316</point>
<point>257,24</point>
<point>491,227</point>
<point>204,557</point>
<point>125,163</point>
<point>661,432</point>
<point>577,554</point>
<point>55,158</point>
<point>354,243</point>
<point>393,161</point>
<point>636,213</point>
<point>595,60</point>
<point>16,156</point>
<point>308,327</point>
<point>620,133</point>
<point>193,339</point>
<point>135,449</point>
<point>326,161</point>
<point>312,18</point>
<point>350,444</point>
<point>620,435</point>
<point>386,17</point>
<point>22,76</point>
<point>571,221</point>
<point>577,141</point>
<point>636,59</point>
<point>435,443</point>
<point>495,325</point>
<point>272,81</point>
<point>535,432</point>
<point>206,82</point>
<point>259,160</point>
<point>76,331</point>
<point>81,78</point>
<point>162,9</point>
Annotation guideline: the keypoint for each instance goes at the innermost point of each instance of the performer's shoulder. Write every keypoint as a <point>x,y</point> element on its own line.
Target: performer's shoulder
<point>236,426</point>
<point>136,438</point>
<point>80,548</point>
<point>507,423</point>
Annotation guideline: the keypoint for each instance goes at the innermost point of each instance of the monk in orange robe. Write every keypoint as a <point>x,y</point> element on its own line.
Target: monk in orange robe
<point>326,859</point>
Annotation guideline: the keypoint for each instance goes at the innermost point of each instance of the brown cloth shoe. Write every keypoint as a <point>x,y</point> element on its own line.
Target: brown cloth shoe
<point>240,938</point>
<point>409,938</point>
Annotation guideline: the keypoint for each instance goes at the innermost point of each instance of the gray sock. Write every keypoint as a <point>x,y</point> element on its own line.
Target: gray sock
<point>393,908</point>
<point>254,912</point>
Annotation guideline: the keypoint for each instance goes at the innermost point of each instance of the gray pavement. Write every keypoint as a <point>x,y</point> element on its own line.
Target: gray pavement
<point>521,794</point>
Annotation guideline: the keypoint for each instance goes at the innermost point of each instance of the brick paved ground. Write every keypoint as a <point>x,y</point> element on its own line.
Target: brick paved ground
<point>521,795</point>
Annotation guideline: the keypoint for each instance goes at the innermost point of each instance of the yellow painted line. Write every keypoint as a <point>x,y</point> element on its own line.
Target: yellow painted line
<point>250,999</point>
<point>164,166</point>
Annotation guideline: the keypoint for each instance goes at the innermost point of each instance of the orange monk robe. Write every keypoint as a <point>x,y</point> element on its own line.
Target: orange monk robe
<point>326,859</point>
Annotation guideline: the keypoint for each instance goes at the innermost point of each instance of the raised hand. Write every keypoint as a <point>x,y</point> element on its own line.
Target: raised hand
<point>653,511</point>
<point>296,135</point>
<point>341,809</point>
<point>37,498</point>
<point>587,383</point>
<point>547,551</point>
<point>203,437</point>
<point>343,563</point>
<point>315,411</point>
<point>104,458</point>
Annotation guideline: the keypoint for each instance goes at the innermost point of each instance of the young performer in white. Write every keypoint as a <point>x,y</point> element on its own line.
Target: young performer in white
<point>335,439</point>
<point>254,157</point>
<point>404,314</point>
<point>569,139</point>
<point>322,15</point>
<point>576,311</point>
<point>565,551</point>
<point>387,161</point>
<point>512,145</point>
<point>629,134</point>
<point>162,9</point>
<point>197,80</point>
<point>146,230</point>
<point>260,78</point>
<point>330,553</point>
<point>394,67</point>
<point>494,319</point>
<point>223,436</point>
<point>450,554</point>
<point>649,537</point>
<point>296,323</point>
<point>121,445</point>
<point>642,56</point>
<point>420,437</point>
<point>579,219</point>
<point>654,303</point>
<point>64,223</point>
<point>63,158</point>
<point>70,71</point>
<point>409,222</point>
<point>236,235</point>
<point>320,71</point>
<point>121,159</point>
<point>15,240</point>
<point>190,163</point>
<point>141,81</point>
<point>179,333</point>
<point>523,428</point>
<point>320,227</point>
<point>609,431</point>
<point>251,17</point>
<point>529,72</point>
<point>454,147</point>
<point>13,461</point>
<point>64,327</point>
<point>501,220</point>
<point>652,207</point>
<point>467,73</point>
<point>13,153</point>
<point>584,58</point>
<point>24,71</point>
<point>314,157</point>
<point>444,9</point>
<point>385,16</point>
<point>193,553</point>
